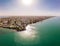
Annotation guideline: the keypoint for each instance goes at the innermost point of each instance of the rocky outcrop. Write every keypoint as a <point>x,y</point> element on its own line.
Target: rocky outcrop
<point>19,23</point>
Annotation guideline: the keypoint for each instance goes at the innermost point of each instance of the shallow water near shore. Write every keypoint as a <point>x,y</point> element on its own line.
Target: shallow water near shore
<point>45,33</point>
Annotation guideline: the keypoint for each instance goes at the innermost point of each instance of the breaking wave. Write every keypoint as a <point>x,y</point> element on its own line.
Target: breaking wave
<point>29,32</point>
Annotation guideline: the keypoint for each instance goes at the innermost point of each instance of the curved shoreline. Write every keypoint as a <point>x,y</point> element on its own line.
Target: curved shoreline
<point>20,22</point>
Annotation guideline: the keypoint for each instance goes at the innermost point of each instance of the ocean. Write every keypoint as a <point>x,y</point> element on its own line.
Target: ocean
<point>45,33</point>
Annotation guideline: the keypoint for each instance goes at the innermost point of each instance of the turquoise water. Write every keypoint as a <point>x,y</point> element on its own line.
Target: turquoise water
<point>7,37</point>
<point>46,33</point>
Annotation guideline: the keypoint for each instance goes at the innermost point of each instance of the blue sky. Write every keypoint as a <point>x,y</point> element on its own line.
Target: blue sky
<point>52,4</point>
<point>6,4</point>
<point>41,5</point>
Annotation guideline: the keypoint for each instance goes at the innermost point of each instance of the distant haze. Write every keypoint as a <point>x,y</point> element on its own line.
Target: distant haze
<point>35,7</point>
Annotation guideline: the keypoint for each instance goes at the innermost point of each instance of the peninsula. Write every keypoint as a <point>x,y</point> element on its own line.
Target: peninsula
<point>19,23</point>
